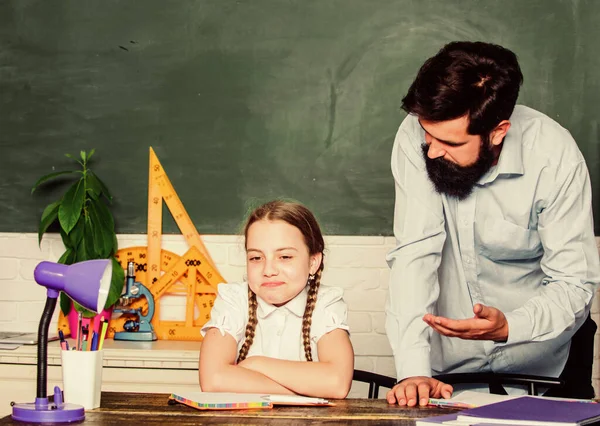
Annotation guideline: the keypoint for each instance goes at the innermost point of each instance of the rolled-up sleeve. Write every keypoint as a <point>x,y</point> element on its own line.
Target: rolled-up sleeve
<point>420,236</point>
<point>228,314</point>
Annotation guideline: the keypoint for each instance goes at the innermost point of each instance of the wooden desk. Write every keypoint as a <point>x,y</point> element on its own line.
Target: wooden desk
<point>152,409</point>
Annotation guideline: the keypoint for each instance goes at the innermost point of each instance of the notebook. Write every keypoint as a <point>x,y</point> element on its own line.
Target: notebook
<point>532,411</point>
<point>242,401</point>
<point>22,338</point>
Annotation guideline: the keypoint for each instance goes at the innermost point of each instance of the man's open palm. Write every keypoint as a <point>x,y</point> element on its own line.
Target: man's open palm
<point>488,324</point>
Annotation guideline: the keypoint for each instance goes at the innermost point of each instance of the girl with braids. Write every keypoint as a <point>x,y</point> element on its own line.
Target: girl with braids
<point>282,332</point>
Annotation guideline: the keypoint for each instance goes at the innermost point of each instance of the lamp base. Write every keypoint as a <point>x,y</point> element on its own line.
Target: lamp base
<point>42,411</point>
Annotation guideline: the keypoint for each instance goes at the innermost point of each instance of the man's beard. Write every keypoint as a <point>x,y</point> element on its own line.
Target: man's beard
<point>454,180</point>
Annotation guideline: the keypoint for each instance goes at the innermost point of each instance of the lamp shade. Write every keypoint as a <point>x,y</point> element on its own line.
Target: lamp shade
<point>85,282</point>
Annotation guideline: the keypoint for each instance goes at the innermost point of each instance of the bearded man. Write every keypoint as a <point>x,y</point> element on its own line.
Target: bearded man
<point>496,262</point>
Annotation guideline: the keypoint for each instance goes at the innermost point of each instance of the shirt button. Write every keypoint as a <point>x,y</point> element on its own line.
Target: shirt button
<point>467,260</point>
<point>279,332</point>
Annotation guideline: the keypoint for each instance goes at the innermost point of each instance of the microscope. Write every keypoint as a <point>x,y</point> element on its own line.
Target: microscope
<point>139,329</point>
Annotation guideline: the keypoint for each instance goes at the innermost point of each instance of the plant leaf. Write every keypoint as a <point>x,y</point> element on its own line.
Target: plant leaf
<point>81,251</point>
<point>48,217</point>
<point>67,257</point>
<point>66,240</point>
<point>89,155</point>
<point>116,284</point>
<point>83,156</point>
<point>103,237</point>
<point>71,205</point>
<point>51,176</point>
<point>86,313</point>
<point>76,234</point>
<point>115,244</point>
<point>88,240</point>
<point>93,185</point>
<point>65,304</point>
<point>105,216</point>
<point>91,194</point>
<point>103,187</point>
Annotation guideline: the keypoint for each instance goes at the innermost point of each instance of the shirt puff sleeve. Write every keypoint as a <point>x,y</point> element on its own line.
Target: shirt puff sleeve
<point>331,312</point>
<point>230,310</point>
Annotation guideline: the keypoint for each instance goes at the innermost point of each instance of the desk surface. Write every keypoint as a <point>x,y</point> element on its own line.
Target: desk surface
<point>152,409</point>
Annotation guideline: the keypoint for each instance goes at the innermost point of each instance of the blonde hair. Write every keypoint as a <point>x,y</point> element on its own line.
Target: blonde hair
<point>299,216</point>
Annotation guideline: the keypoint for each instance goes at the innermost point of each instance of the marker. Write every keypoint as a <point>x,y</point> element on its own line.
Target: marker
<point>84,333</point>
<point>94,341</point>
<point>102,332</point>
<point>63,343</point>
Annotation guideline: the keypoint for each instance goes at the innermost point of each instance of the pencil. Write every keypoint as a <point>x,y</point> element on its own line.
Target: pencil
<point>89,337</point>
<point>79,330</point>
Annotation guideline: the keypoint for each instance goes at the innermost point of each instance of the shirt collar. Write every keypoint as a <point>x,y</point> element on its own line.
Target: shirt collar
<point>296,306</point>
<point>511,156</point>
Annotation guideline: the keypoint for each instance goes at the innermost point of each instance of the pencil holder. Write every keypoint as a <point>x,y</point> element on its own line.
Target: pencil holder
<point>82,377</point>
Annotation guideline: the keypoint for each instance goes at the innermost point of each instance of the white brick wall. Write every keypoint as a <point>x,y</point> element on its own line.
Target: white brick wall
<point>355,263</point>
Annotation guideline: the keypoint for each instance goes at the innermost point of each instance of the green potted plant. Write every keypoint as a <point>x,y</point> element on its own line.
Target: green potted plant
<point>86,226</point>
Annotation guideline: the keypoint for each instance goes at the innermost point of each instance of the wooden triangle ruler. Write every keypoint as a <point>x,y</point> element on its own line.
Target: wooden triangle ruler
<point>193,275</point>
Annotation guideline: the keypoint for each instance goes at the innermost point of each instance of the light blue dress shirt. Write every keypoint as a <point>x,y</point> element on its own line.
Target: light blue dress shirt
<point>522,242</point>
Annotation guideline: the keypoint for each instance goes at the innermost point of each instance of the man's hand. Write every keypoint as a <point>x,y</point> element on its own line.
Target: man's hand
<point>408,390</point>
<point>487,324</point>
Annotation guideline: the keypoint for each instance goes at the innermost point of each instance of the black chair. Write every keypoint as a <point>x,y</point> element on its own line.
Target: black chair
<point>493,380</point>
<point>374,380</point>
<point>496,380</point>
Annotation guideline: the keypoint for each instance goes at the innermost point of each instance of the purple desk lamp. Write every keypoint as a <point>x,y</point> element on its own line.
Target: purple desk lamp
<point>87,283</point>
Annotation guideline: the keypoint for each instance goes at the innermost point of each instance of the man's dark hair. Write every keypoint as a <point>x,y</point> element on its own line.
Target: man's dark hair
<point>477,79</point>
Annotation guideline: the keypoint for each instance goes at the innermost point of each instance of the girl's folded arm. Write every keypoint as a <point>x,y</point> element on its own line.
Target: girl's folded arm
<point>330,377</point>
<point>219,373</point>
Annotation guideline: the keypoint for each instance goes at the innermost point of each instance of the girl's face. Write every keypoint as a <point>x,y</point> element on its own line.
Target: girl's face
<point>278,262</point>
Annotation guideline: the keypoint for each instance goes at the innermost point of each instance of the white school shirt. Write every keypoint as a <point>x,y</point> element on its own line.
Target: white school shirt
<point>278,333</point>
<point>522,242</point>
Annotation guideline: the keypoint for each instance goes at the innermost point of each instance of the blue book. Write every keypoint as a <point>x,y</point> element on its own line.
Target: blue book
<point>533,411</point>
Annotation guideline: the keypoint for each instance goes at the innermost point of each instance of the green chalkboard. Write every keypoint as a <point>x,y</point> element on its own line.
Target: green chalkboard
<point>251,100</point>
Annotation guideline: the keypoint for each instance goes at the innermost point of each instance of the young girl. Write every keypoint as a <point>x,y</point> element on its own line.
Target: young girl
<point>281,332</point>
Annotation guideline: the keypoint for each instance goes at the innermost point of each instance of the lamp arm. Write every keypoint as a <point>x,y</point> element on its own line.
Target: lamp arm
<point>42,352</point>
